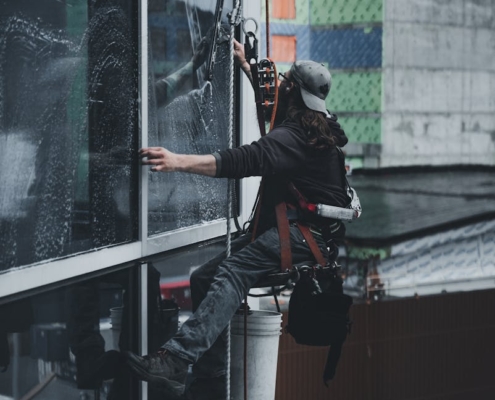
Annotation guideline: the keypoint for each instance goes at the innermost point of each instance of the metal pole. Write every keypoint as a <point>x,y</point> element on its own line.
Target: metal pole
<point>143,184</point>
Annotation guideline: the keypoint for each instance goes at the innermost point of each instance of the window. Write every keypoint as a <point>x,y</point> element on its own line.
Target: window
<point>188,113</point>
<point>284,48</point>
<point>62,343</point>
<point>158,41</point>
<point>68,128</point>
<point>284,9</point>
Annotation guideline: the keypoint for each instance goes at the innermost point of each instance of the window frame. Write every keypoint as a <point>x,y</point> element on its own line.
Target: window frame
<point>22,279</point>
<point>27,280</point>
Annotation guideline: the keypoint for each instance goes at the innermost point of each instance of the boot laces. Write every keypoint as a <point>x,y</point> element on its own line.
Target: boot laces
<point>160,355</point>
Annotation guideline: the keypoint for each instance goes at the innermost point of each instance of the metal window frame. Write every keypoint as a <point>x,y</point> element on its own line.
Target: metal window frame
<point>49,272</point>
<point>29,279</point>
<point>33,276</point>
<point>143,185</point>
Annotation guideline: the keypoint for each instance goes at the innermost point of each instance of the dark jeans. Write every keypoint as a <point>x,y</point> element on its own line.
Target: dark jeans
<point>218,288</point>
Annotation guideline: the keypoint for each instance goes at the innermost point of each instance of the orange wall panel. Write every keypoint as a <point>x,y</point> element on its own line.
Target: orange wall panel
<point>284,9</point>
<point>283,48</point>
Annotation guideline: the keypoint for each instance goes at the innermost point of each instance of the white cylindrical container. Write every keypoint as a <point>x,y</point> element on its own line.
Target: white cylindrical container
<point>263,335</point>
<point>116,321</point>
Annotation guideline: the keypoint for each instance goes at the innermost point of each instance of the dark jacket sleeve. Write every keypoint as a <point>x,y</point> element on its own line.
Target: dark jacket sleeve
<point>277,153</point>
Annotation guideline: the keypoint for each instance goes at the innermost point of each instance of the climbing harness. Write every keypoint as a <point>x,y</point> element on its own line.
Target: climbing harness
<point>264,75</point>
<point>326,211</point>
<point>264,80</point>
<point>265,84</point>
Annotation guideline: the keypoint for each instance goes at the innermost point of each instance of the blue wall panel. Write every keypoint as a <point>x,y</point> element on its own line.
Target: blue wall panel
<point>347,48</point>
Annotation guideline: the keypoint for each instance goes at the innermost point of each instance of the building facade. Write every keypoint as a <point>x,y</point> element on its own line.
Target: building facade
<point>412,80</point>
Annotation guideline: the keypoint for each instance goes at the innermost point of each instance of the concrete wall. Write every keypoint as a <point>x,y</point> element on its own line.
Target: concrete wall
<point>438,85</point>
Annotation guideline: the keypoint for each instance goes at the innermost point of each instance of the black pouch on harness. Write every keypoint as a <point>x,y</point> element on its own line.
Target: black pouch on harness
<point>319,314</point>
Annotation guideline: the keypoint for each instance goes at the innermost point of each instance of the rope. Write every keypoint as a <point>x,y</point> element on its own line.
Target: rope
<point>257,208</point>
<point>230,187</point>
<point>231,132</point>
<point>267,22</point>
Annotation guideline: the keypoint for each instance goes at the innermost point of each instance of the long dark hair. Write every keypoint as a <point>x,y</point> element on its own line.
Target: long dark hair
<point>313,122</point>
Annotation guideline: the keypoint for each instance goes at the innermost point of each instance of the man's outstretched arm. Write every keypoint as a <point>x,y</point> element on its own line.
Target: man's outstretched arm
<point>163,160</point>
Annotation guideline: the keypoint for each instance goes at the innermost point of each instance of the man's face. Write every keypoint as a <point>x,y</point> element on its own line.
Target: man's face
<point>285,84</point>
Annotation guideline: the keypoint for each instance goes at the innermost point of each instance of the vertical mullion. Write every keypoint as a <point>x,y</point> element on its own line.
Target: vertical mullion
<point>143,319</point>
<point>143,123</point>
<point>143,183</point>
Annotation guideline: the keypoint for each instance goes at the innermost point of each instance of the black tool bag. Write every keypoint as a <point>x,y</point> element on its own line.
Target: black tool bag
<point>319,313</point>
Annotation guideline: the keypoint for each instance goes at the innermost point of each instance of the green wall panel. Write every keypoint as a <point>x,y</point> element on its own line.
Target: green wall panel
<point>331,12</point>
<point>362,129</point>
<point>367,253</point>
<point>302,13</point>
<point>355,92</point>
<point>283,67</point>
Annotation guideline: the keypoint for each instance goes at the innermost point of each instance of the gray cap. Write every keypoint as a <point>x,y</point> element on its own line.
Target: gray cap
<point>315,82</point>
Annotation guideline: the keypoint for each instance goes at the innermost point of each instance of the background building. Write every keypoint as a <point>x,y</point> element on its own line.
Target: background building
<point>413,80</point>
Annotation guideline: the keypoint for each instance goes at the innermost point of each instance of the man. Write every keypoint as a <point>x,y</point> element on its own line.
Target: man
<point>300,149</point>
<point>169,87</point>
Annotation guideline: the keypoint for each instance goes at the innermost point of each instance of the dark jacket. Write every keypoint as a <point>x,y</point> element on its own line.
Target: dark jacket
<point>283,155</point>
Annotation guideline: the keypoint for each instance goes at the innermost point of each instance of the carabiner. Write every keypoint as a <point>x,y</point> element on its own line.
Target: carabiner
<point>244,26</point>
<point>251,50</point>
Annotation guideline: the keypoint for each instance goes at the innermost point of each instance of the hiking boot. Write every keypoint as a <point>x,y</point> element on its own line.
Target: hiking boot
<point>161,368</point>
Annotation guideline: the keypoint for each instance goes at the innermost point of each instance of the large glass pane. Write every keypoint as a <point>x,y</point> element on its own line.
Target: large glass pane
<point>65,344</point>
<point>189,112</point>
<point>68,127</point>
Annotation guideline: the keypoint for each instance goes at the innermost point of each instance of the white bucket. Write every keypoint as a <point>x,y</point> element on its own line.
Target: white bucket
<point>263,334</point>
<point>116,321</point>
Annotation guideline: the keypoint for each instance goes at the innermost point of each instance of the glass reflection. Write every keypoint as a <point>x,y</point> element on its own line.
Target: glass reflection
<point>68,82</point>
<point>66,344</point>
<point>188,113</point>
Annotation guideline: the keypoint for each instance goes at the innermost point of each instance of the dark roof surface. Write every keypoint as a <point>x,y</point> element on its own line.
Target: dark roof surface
<point>400,204</point>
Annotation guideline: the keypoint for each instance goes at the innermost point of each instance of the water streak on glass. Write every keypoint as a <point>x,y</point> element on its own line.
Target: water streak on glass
<point>193,118</point>
<point>67,131</point>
